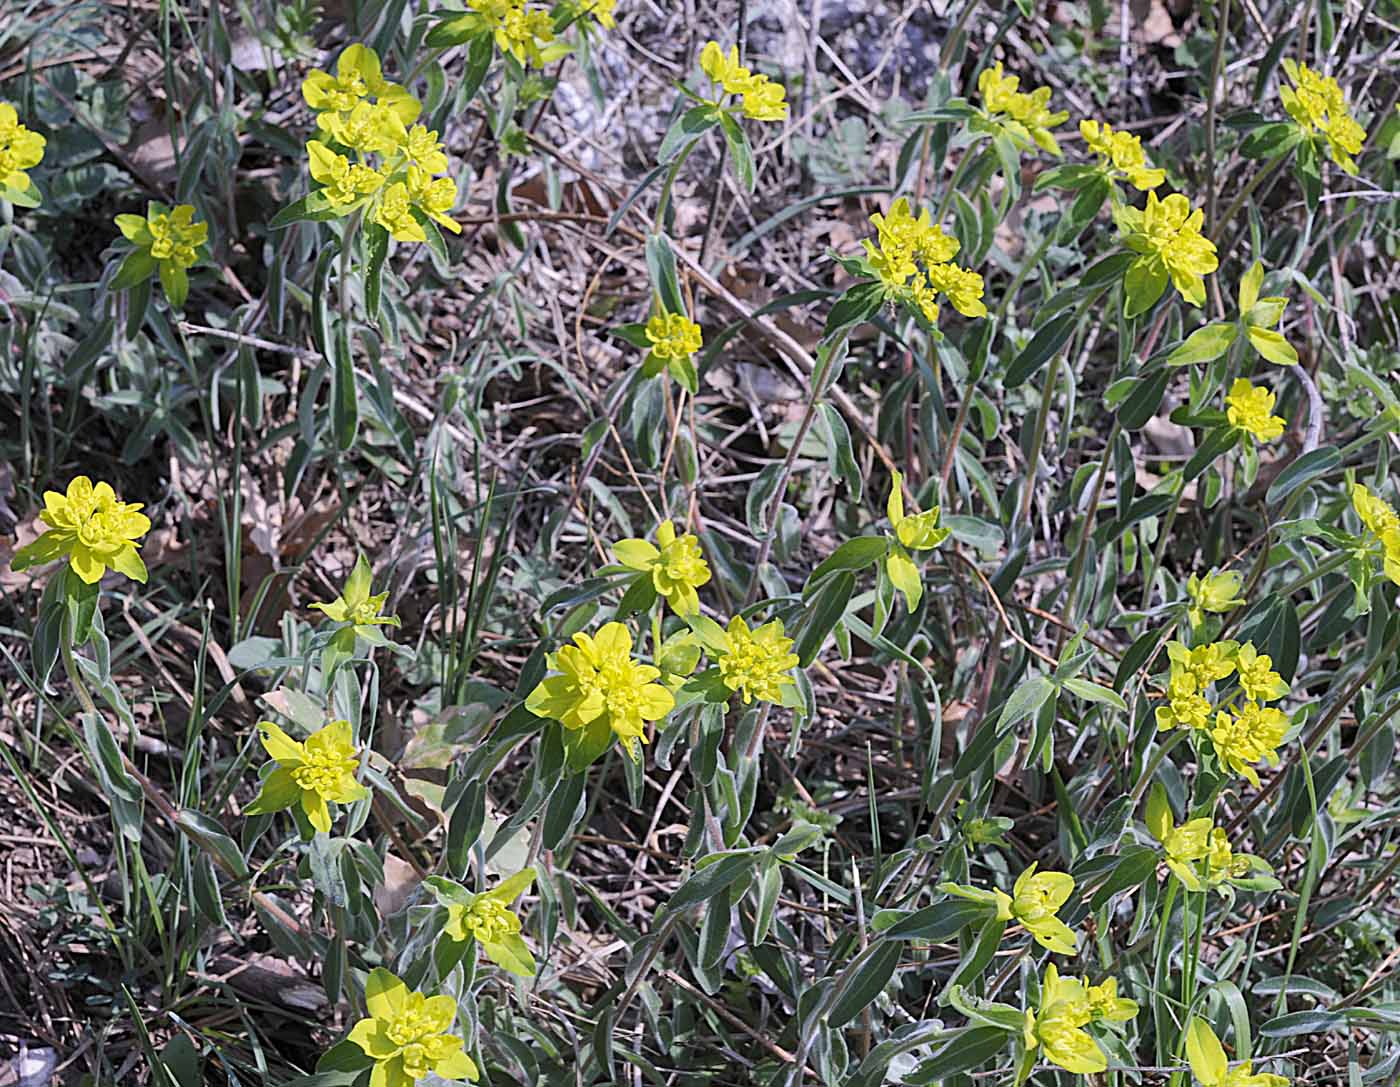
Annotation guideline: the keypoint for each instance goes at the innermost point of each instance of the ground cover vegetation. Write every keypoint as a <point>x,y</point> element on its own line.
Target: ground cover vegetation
<point>760,544</point>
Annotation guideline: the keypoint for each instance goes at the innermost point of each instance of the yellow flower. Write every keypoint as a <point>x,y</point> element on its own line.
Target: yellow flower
<point>1057,1026</point>
<point>1035,899</point>
<point>523,32</point>
<point>423,148</point>
<point>601,688</point>
<point>20,148</point>
<point>1222,862</point>
<point>1215,592</point>
<point>1374,511</point>
<point>1107,1006</point>
<point>915,531</point>
<point>92,529</point>
<point>963,288</point>
<point>998,91</point>
<point>343,183</point>
<point>764,100</point>
<point>1185,707</point>
<point>757,663</point>
<point>1319,105</point>
<point>677,566</point>
<point>1261,316</point>
<point>1168,235</point>
<point>1121,154</point>
<point>406,1034</point>
<point>358,75</point>
<point>1258,680</point>
<point>602,10</point>
<point>901,244</point>
<point>724,68</point>
<point>167,241</point>
<point>1382,529</point>
<point>434,197</point>
<point>368,128</point>
<point>1204,664</point>
<point>1182,845</point>
<point>357,607</point>
<point>673,336</point>
<point>1249,407</point>
<point>1212,1069</point>
<point>1247,737</point>
<point>310,774</point>
<point>1026,118</point>
<point>488,919</point>
<point>395,214</point>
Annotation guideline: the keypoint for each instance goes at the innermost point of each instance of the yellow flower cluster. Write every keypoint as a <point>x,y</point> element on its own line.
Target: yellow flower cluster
<point>912,259</point>
<point>1211,1067</point>
<point>406,1034</point>
<point>1197,852</point>
<point>675,562</point>
<point>1121,155</point>
<point>1035,899</point>
<point>91,529</point>
<point>673,336</point>
<point>757,663</point>
<point>309,775</point>
<point>488,919</point>
<point>1067,1006</point>
<point>1319,106</point>
<point>763,100</point>
<point>361,112</point>
<point>20,149</point>
<point>1167,233</point>
<point>1382,535</point>
<point>1026,118</point>
<point>1250,407</point>
<point>526,33</point>
<point>1243,733</point>
<point>1216,592</point>
<point>912,532</point>
<point>600,688</point>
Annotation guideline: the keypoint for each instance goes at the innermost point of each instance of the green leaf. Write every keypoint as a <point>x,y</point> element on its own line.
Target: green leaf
<point>1142,403</point>
<point>1313,1021</point>
<point>1217,442</point>
<point>376,240</point>
<point>718,872</point>
<point>739,151</point>
<point>1306,468</point>
<point>345,407</point>
<point>1206,1054</point>
<point>1270,141</point>
<point>480,54</point>
<point>1205,344</point>
<point>1272,346</point>
<point>1048,340</point>
<point>863,981</point>
<point>313,208</point>
<point>1092,692</point>
<point>933,923</point>
<point>962,1052</point>
<point>854,554</point>
<point>689,126</point>
<point>1025,701</point>
<point>824,610</point>
<point>860,302</point>
<point>1144,283</point>
<point>661,264</point>
<point>138,267</point>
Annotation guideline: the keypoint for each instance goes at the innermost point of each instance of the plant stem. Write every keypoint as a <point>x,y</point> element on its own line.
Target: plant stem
<point>774,507</point>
